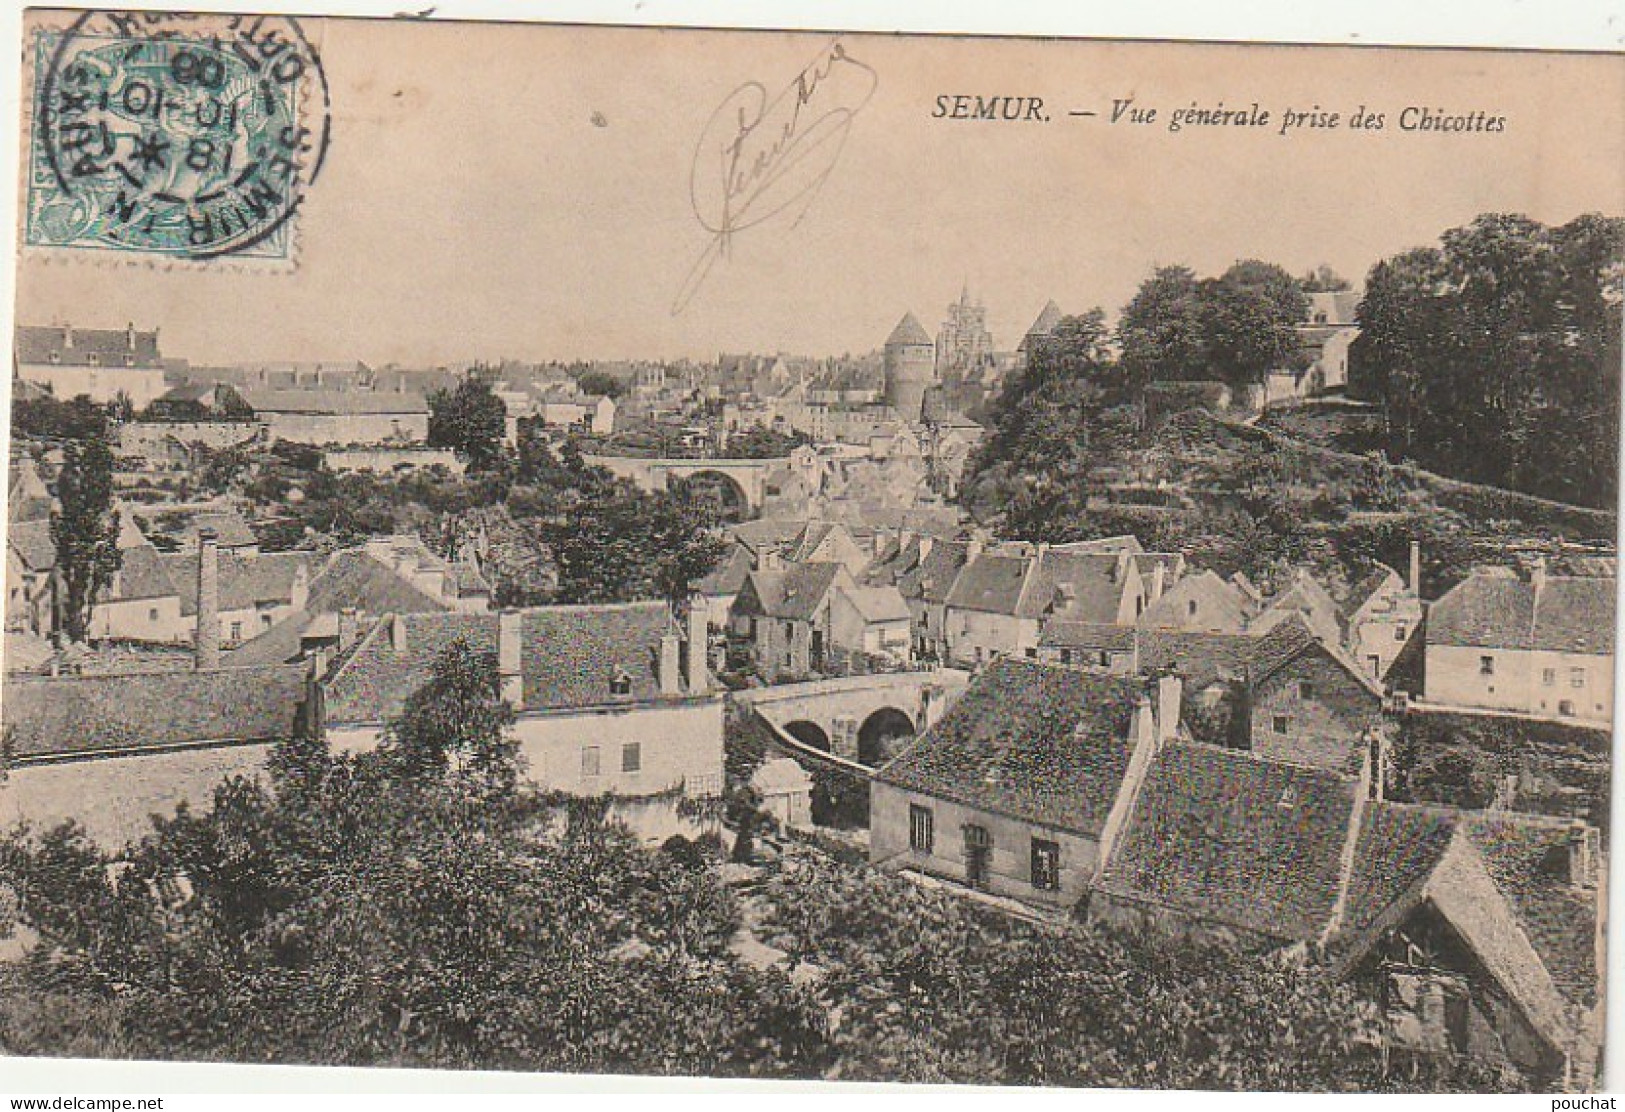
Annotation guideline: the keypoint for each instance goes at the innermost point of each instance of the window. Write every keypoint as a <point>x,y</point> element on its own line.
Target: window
<point>1548,676</point>
<point>1486,666</point>
<point>620,683</point>
<point>1046,865</point>
<point>236,631</point>
<point>920,834</point>
<point>1400,632</point>
<point>152,615</point>
<point>266,620</point>
<point>1032,653</point>
<point>1577,677</point>
<point>1280,723</point>
<point>1066,656</point>
<point>753,629</point>
<point>1306,690</point>
<point>1190,608</point>
<point>1376,664</point>
<point>632,757</point>
<point>1105,659</point>
<point>789,630</point>
<point>589,761</point>
<point>1565,708</point>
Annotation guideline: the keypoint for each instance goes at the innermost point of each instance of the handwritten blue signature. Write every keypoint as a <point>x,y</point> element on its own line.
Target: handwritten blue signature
<point>758,157</point>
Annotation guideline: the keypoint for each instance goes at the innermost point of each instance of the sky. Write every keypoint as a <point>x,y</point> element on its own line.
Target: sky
<point>501,190</point>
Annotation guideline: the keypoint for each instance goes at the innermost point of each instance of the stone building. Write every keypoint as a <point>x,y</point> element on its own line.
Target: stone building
<point>910,368</point>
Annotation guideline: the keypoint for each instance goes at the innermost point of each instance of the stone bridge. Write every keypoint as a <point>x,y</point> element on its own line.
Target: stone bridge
<point>743,481</point>
<point>864,719</point>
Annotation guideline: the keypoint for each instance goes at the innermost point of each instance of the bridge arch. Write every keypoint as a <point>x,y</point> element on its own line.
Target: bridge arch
<point>710,485</point>
<point>883,734</point>
<point>809,733</point>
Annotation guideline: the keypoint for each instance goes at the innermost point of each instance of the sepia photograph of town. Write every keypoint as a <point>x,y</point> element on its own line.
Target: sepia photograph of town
<point>786,555</point>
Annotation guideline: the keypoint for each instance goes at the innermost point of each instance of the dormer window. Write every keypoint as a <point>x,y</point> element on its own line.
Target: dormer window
<point>1289,798</point>
<point>56,357</point>
<point>129,360</point>
<point>94,360</point>
<point>620,683</point>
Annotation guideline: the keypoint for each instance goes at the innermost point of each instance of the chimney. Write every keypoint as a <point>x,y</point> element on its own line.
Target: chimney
<point>206,641</point>
<point>1580,866</point>
<point>973,549</point>
<point>349,627</point>
<point>1157,581</point>
<point>927,542</point>
<point>397,634</point>
<point>67,340</point>
<point>510,657</point>
<point>699,647</point>
<point>1537,577</point>
<point>1377,763</point>
<point>1416,568</point>
<point>1169,690</point>
<point>129,335</point>
<point>670,671</point>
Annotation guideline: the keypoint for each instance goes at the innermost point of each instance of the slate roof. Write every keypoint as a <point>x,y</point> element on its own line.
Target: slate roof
<point>1569,614</point>
<point>569,656</point>
<point>36,344</point>
<point>933,577</point>
<point>908,331</point>
<point>245,581</point>
<point>1048,317</point>
<point>68,715</point>
<point>1222,835</point>
<point>768,534</point>
<point>231,530</point>
<point>1220,604</point>
<point>1028,740</point>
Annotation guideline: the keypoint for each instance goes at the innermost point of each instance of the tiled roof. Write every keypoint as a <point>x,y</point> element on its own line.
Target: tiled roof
<point>1374,581</point>
<point>569,656</point>
<point>991,583</point>
<point>231,529</point>
<point>1502,880</point>
<point>908,331</point>
<point>933,577</point>
<point>1222,835</point>
<point>333,401</point>
<point>768,534</point>
<point>350,579</point>
<point>245,581</point>
<point>1569,614</point>
<point>1291,639</point>
<point>728,577</point>
<point>146,574</point>
<point>1221,606</point>
<point>31,540</point>
<point>878,604</point>
<point>1201,659</point>
<point>1079,586</point>
<point>36,345</point>
<point>1088,636</point>
<point>793,594</point>
<point>1034,742</point>
<point>1307,597</point>
<point>81,714</point>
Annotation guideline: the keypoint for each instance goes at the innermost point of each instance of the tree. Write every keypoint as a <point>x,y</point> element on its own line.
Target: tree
<point>620,543</point>
<point>1496,354</point>
<point>1234,328</point>
<point>598,384</point>
<point>1161,332</point>
<point>1323,279</point>
<point>761,442</point>
<point>85,531</point>
<point>471,420</point>
<point>458,725</point>
<point>76,419</point>
<point>1249,317</point>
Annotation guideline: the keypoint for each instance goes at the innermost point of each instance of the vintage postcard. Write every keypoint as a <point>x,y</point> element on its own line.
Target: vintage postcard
<point>772,554</point>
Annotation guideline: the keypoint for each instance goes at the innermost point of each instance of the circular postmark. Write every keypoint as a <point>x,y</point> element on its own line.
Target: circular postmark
<point>185,135</point>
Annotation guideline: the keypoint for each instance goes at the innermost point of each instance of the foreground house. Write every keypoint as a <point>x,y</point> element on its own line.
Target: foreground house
<point>1542,646</point>
<point>609,699</point>
<point>1015,790</point>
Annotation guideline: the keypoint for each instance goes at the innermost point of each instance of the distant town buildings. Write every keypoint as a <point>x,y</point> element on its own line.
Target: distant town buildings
<point>963,342</point>
<point>101,363</point>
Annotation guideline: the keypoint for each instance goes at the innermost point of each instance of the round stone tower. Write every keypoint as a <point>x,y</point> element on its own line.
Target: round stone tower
<point>911,367</point>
